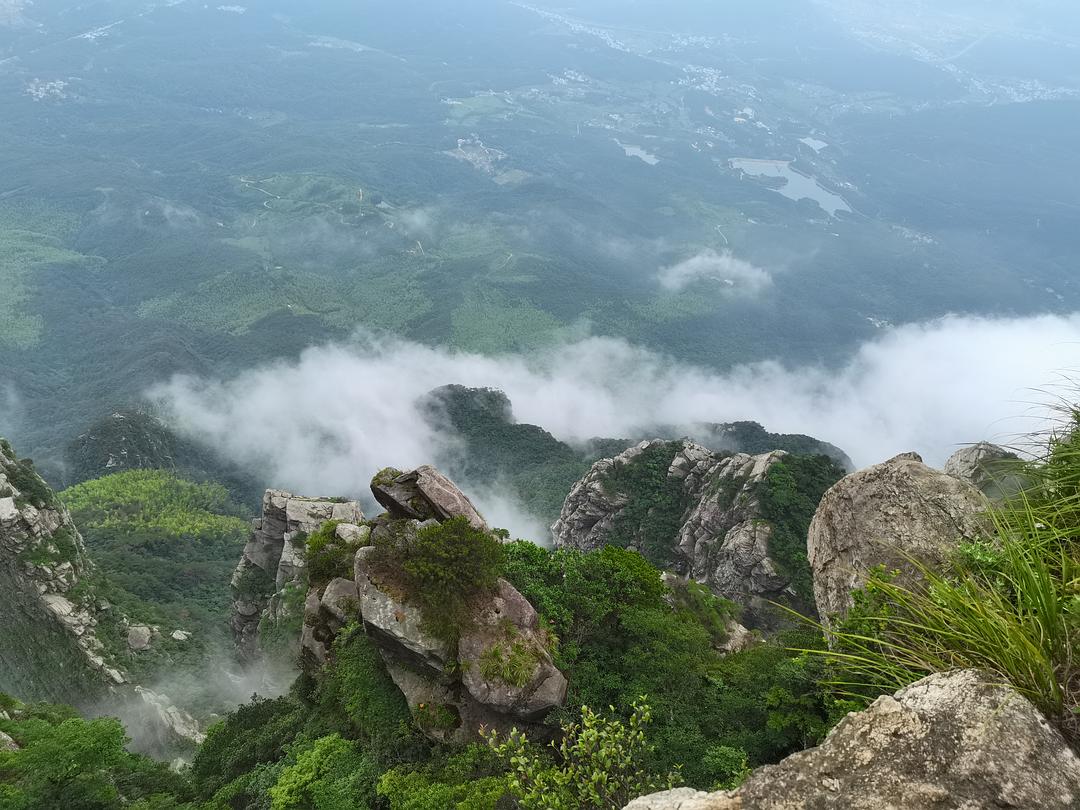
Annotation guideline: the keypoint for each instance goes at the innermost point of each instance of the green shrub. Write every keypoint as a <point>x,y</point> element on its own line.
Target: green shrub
<point>326,556</point>
<point>470,778</point>
<point>357,697</point>
<point>255,733</point>
<point>448,566</point>
<point>329,774</point>
<point>710,611</point>
<point>32,489</point>
<point>436,717</point>
<point>602,764</point>
<point>620,637</point>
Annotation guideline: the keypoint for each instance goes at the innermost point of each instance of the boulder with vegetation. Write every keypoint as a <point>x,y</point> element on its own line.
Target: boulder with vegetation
<point>896,515</point>
<point>423,494</point>
<point>465,648</point>
<point>49,645</point>
<point>734,522</point>
<point>267,579</point>
<point>958,739</point>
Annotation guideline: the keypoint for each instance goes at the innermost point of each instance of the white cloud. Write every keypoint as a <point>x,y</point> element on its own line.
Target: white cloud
<point>722,267</point>
<point>325,423</point>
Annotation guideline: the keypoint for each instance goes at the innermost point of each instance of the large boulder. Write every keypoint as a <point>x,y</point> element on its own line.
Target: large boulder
<point>273,560</point>
<point>887,515</point>
<point>396,622</point>
<point>993,470</point>
<point>714,530</point>
<point>505,658</point>
<point>424,493</point>
<point>952,741</point>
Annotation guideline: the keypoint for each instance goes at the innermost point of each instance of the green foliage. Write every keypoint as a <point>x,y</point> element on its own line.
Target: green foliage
<point>620,637</point>
<point>471,778</point>
<point>357,697</point>
<point>656,503</point>
<point>710,611</point>
<point>255,733</point>
<point>66,762</point>
<point>1009,604</point>
<point>729,764</point>
<point>601,764</point>
<point>436,717</point>
<point>157,501</point>
<point>327,556</point>
<point>789,496</point>
<point>385,476</point>
<point>164,550</point>
<point>330,774</point>
<point>448,565</point>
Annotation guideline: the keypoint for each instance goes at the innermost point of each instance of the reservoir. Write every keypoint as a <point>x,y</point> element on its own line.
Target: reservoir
<point>797,186</point>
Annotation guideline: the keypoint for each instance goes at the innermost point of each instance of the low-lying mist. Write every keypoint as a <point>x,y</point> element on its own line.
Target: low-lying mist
<point>323,424</point>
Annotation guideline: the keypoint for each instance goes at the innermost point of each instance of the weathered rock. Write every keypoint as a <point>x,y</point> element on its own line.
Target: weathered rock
<point>952,741</point>
<point>180,635</point>
<point>738,638</point>
<point>398,622</point>
<point>138,638</point>
<point>352,534</point>
<point>49,648</point>
<point>885,515</point>
<point>425,493</point>
<point>324,615</point>
<point>273,560</point>
<point>720,540</point>
<point>509,626</point>
<point>989,468</point>
<point>7,744</point>
<point>174,726</point>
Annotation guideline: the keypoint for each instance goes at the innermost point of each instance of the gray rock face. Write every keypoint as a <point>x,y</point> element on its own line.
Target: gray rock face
<point>49,648</point>
<point>397,622</point>
<point>425,493</point>
<point>175,726</point>
<point>505,628</point>
<point>882,515</point>
<point>989,468</point>
<point>272,561</point>
<point>721,539</point>
<point>138,638</point>
<point>952,741</point>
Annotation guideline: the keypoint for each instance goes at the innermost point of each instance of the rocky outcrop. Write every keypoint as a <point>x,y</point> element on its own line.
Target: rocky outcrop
<point>422,494</point>
<point>273,559</point>
<point>173,727</point>
<point>713,529</point>
<point>49,643</point>
<point>506,628</point>
<point>887,515</point>
<point>952,741</point>
<point>499,672</point>
<point>993,470</point>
